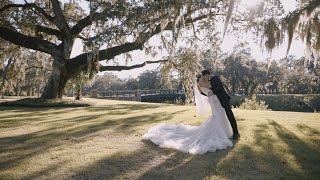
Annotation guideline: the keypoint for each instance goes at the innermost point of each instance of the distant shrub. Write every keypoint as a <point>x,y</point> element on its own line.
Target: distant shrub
<point>253,104</point>
<point>285,102</point>
<point>290,102</point>
<point>237,100</point>
<point>179,101</point>
<point>164,98</point>
<point>315,103</point>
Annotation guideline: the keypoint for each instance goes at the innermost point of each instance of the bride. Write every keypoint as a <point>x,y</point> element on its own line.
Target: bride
<point>210,136</point>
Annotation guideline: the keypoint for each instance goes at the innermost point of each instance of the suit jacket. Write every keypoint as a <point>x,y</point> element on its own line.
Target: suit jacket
<point>218,89</point>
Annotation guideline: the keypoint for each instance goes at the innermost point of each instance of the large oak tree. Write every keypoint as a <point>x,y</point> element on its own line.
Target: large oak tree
<point>51,26</point>
<point>122,26</point>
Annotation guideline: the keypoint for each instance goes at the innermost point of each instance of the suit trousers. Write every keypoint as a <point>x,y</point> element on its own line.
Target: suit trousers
<point>232,120</point>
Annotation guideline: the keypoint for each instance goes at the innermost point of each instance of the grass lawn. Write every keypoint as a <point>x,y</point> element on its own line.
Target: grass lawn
<point>104,142</point>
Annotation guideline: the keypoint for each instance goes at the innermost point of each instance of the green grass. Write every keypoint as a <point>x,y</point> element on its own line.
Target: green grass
<point>104,142</point>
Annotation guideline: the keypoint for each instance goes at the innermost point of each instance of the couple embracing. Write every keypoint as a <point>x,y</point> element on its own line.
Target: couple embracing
<point>211,135</point>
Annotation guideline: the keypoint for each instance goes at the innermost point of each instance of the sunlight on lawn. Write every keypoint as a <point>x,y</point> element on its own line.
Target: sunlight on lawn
<point>104,142</point>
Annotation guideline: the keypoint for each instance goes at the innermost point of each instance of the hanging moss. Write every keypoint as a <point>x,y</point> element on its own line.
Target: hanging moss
<point>308,34</point>
<point>311,6</point>
<point>272,33</point>
<point>317,46</point>
<point>185,62</point>
<point>228,17</point>
<point>292,24</point>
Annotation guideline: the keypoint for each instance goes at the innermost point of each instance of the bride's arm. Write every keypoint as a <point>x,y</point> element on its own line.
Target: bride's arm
<point>208,91</point>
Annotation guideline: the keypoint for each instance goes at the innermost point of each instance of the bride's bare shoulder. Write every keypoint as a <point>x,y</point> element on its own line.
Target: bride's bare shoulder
<point>201,81</point>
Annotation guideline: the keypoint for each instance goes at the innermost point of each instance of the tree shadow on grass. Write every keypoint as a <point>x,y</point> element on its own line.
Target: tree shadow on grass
<point>44,103</point>
<point>306,156</point>
<point>180,165</point>
<point>21,116</point>
<point>152,162</point>
<point>22,147</point>
<point>125,107</point>
<point>240,119</point>
<point>124,125</point>
<point>276,153</point>
<point>43,172</point>
<point>308,130</point>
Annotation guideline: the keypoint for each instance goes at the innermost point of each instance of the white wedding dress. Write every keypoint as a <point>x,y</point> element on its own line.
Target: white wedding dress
<point>210,136</point>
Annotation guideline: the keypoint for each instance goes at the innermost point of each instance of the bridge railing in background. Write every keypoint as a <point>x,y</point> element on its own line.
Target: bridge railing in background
<point>160,91</point>
<point>131,95</point>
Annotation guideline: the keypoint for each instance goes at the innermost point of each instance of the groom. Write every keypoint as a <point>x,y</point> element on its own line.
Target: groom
<point>218,89</point>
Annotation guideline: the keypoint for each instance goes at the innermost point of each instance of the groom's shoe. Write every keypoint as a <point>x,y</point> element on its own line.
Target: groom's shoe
<point>236,136</point>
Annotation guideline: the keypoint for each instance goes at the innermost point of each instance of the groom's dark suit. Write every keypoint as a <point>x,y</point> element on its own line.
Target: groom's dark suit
<point>218,89</point>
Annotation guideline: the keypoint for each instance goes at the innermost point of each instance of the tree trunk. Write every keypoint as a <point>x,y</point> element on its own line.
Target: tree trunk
<point>78,94</point>
<point>38,89</point>
<point>233,88</point>
<point>16,88</point>
<point>253,88</point>
<point>57,81</point>
<point>246,90</point>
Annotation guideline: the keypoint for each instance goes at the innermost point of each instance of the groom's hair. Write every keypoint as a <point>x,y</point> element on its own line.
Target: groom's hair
<point>205,72</point>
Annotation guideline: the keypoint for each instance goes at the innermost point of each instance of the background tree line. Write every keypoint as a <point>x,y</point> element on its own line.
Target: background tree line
<point>244,75</point>
<point>150,79</point>
<point>241,73</point>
